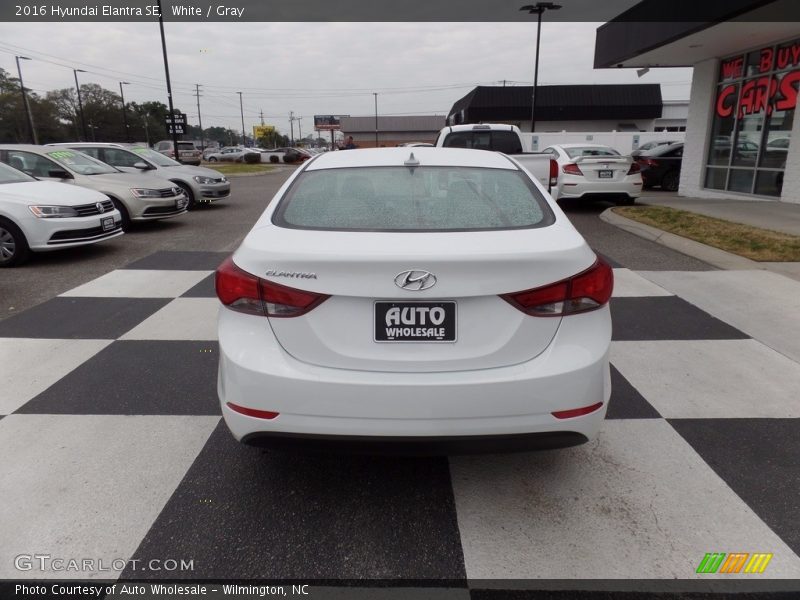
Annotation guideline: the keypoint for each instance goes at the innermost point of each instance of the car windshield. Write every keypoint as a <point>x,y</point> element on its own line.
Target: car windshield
<point>590,151</point>
<point>413,199</point>
<point>11,175</point>
<point>156,157</point>
<point>81,163</point>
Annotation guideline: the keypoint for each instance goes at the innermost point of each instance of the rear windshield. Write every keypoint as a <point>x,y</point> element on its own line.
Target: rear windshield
<point>485,139</point>
<point>590,151</point>
<point>186,146</point>
<point>413,199</point>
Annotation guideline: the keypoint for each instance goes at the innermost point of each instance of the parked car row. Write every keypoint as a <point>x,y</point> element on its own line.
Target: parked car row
<point>64,195</point>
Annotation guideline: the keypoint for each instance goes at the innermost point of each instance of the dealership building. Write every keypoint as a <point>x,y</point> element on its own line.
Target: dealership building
<point>742,133</point>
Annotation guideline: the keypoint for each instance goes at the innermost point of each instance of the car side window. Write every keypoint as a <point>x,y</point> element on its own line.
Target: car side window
<point>120,158</point>
<point>35,165</point>
<point>93,152</point>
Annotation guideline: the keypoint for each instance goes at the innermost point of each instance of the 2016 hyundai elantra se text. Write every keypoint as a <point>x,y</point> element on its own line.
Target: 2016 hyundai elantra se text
<point>436,298</point>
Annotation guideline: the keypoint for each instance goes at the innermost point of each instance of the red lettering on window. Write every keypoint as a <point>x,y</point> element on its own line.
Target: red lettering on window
<point>726,101</point>
<point>732,68</point>
<point>788,91</point>
<point>756,94</point>
<point>765,64</point>
<point>790,55</point>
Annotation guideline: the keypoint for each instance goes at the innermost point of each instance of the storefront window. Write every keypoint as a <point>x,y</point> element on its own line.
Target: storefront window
<point>753,117</point>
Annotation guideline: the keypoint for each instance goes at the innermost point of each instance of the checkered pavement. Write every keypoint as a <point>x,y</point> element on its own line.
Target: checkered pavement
<point>112,446</point>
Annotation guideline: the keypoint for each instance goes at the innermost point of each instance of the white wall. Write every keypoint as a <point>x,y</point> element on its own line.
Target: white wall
<point>791,177</point>
<point>622,141</point>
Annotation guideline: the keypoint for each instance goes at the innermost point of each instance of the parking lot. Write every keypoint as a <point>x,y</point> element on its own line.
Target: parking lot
<point>113,447</point>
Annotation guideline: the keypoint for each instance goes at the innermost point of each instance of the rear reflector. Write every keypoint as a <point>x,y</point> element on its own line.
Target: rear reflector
<point>572,169</point>
<point>588,290</point>
<point>647,162</point>
<point>252,412</point>
<point>244,292</point>
<point>635,168</point>
<point>576,412</point>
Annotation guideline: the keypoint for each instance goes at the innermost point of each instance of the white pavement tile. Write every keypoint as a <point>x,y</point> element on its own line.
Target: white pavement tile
<point>630,284</point>
<point>30,366</point>
<point>764,305</point>
<point>76,486</point>
<point>638,502</point>
<point>181,319</point>
<point>711,378</point>
<point>141,283</point>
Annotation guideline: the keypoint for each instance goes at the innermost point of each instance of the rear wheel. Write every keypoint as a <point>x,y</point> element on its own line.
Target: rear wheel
<point>274,159</point>
<point>13,245</point>
<point>670,181</point>
<point>212,159</point>
<point>126,218</point>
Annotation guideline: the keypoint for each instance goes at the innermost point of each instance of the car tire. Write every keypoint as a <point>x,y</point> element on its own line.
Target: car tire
<point>212,159</point>
<point>126,218</point>
<point>670,181</point>
<point>274,159</point>
<point>13,246</point>
<point>189,194</point>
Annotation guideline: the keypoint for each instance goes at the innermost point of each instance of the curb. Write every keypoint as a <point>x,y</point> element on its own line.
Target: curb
<point>713,256</point>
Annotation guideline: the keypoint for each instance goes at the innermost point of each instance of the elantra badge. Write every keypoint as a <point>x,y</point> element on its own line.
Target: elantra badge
<point>415,280</point>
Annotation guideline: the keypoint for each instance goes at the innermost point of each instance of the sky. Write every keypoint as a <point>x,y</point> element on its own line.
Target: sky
<point>312,68</point>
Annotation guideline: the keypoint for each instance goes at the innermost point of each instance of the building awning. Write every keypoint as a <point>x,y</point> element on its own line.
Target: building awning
<point>560,103</point>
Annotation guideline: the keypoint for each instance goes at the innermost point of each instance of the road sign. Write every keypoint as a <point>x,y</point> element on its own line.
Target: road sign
<point>177,119</point>
<point>179,129</point>
<point>328,122</point>
<point>262,130</point>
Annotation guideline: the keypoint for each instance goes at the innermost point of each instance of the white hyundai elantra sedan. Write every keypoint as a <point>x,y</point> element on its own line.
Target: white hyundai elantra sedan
<point>432,298</point>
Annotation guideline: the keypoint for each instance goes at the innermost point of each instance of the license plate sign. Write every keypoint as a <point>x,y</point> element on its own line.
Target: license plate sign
<point>605,174</point>
<point>415,321</point>
<point>107,223</point>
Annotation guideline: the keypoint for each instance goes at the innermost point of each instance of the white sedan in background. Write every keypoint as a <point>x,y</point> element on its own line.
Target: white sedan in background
<point>434,298</point>
<point>595,171</point>
<point>43,215</point>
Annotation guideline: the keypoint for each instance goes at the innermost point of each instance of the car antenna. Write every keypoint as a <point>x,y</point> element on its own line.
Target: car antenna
<point>411,161</point>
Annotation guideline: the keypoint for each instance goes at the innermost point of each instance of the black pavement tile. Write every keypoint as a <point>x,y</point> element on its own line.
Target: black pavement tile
<point>180,261</point>
<point>626,402</point>
<point>137,378</point>
<point>666,318</point>
<point>244,512</point>
<point>204,289</point>
<point>81,318</point>
<point>760,460</point>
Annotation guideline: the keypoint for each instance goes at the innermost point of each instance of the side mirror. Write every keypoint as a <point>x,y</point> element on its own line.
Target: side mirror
<point>58,174</point>
<point>142,165</point>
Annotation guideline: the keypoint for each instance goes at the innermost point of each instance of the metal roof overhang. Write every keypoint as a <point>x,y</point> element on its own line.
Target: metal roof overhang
<point>636,39</point>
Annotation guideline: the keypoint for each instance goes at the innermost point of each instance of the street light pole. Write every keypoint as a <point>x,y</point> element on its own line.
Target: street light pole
<point>80,102</point>
<point>169,85</point>
<point>376,118</point>
<point>124,113</point>
<point>25,101</point>
<point>537,9</point>
<point>241,110</point>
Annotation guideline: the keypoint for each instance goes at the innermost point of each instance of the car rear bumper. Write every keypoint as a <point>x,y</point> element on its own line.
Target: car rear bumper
<point>630,186</point>
<point>460,407</point>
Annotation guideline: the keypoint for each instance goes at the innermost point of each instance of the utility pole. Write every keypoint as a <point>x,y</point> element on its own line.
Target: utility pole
<point>25,101</point>
<point>80,102</point>
<point>169,85</point>
<point>291,126</point>
<point>241,110</point>
<point>199,119</point>
<point>299,128</point>
<point>376,118</point>
<point>124,112</point>
<point>145,117</point>
<point>261,114</point>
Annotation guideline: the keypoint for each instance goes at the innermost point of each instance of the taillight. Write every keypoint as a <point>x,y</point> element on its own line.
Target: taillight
<point>553,172</point>
<point>648,162</point>
<point>243,292</point>
<point>583,292</point>
<point>572,169</point>
<point>635,168</point>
